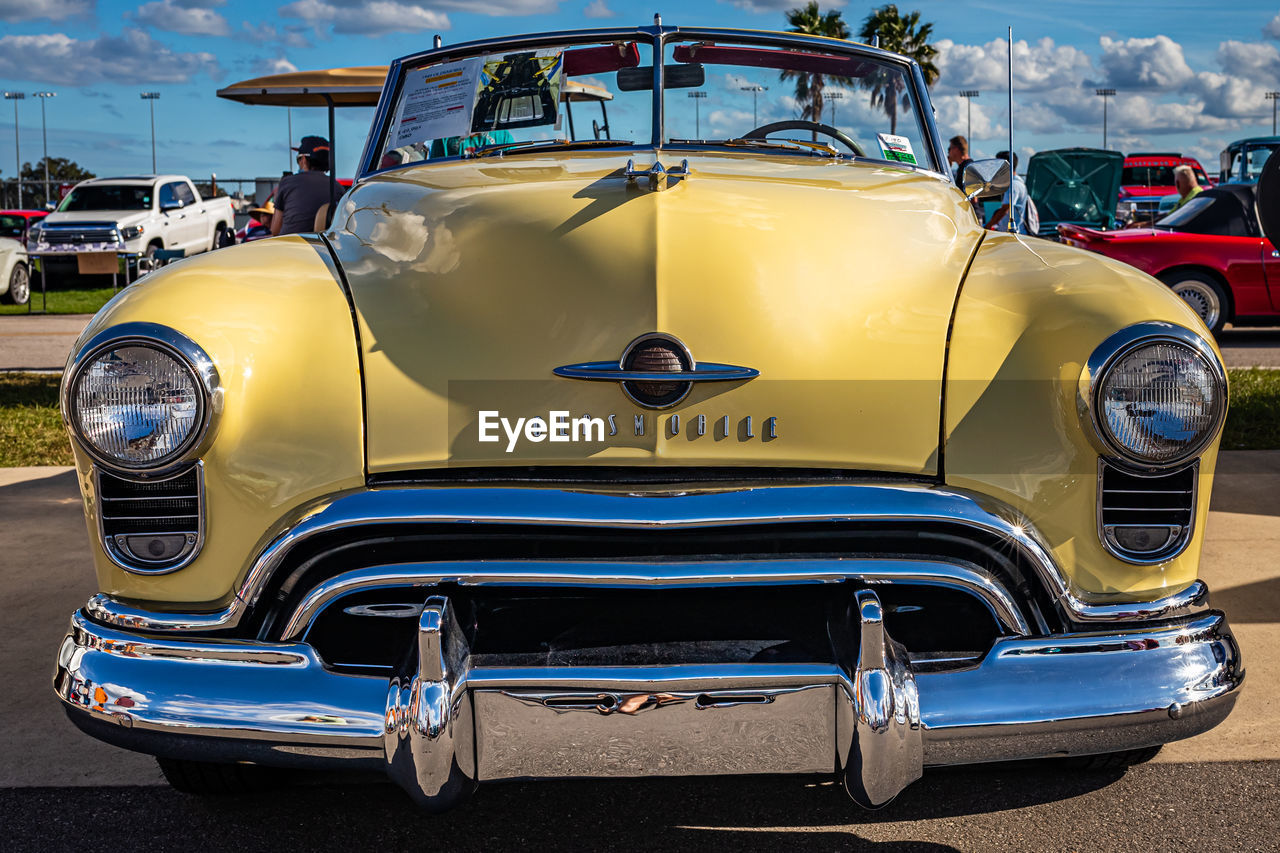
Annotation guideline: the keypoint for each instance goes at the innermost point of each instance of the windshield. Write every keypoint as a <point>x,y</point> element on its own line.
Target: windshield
<point>1255,158</point>
<point>772,97</point>
<point>545,95</point>
<point>1156,176</point>
<point>853,104</point>
<point>12,226</point>
<point>106,197</point>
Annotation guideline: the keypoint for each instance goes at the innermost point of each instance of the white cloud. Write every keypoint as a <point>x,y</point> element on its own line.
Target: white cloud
<point>1150,63</point>
<point>598,9</point>
<point>273,65</point>
<point>1036,67</point>
<point>132,57</point>
<point>54,10</point>
<point>1251,60</point>
<point>177,16</point>
<point>1272,29</point>
<point>370,17</point>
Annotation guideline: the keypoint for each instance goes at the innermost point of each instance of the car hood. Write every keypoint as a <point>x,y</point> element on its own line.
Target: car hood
<point>8,245</point>
<point>120,217</point>
<point>472,282</point>
<point>1077,185</point>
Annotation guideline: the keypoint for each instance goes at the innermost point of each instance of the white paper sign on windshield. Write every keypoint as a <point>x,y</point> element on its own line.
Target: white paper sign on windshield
<point>436,102</point>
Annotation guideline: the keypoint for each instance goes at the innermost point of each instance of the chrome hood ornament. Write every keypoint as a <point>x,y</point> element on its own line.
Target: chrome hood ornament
<point>656,371</point>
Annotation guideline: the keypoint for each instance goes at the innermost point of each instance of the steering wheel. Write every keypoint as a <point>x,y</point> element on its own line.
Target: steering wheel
<point>801,124</point>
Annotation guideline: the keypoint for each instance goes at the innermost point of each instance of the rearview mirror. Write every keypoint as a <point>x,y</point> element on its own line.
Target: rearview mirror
<point>171,205</point>
<point>679,76</point>
<point>986,178</point>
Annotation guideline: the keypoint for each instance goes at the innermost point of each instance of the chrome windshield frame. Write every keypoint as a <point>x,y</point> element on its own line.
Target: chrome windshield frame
<point>657,37</point>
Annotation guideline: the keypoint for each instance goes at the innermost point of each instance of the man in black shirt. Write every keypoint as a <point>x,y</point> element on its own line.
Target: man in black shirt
<point>300,196</point>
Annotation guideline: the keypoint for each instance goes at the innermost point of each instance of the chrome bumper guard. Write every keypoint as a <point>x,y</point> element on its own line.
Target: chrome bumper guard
<point>442,725</point>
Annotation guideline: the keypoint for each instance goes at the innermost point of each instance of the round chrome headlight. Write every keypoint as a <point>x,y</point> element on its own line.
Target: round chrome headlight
<point>137,404</point>
<point>1158,401</point>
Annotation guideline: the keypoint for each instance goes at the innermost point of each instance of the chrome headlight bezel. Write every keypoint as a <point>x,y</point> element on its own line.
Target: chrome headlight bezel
<point>173,344</point>
<point>1108,354</point>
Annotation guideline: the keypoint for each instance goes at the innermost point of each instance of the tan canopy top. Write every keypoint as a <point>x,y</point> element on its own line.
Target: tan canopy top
<point>348,87</point>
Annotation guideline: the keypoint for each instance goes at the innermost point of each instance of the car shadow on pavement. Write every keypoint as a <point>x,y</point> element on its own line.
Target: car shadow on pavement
<point>742,813</point>
<point>1251,602</point>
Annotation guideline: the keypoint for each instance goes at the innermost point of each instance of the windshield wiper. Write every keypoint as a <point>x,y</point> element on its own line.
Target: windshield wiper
<point>540,144</point>
<point>819,149</point>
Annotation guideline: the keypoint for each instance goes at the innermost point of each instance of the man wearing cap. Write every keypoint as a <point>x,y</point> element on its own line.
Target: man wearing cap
<point>301,195</point>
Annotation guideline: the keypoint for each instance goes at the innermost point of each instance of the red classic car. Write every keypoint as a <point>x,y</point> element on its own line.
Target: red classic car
<point>1210,251</point>
<point>15,223</point>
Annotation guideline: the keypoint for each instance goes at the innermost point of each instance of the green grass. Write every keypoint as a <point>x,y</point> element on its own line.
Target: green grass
<point>1253,422</point>
<point>31,429</point>
<point>71,301</point>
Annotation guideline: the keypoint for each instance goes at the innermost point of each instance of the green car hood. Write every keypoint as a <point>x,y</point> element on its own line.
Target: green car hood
<point>1075,185</point>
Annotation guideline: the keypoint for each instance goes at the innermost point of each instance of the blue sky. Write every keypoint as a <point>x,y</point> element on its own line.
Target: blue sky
<point>1191,76</point>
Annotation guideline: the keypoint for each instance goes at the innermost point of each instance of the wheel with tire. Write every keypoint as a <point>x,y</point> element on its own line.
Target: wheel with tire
<point>215,780</point>
<point>19,291</point>
<point>1204,294</point>
<point>1111,760</point>
<point>223,238</point>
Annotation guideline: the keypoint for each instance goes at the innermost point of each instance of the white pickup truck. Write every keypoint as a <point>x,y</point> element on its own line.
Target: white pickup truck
<point>135,215</point>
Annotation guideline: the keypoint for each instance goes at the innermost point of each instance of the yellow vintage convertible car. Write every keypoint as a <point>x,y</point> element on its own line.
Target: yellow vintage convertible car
<point>706,440</point>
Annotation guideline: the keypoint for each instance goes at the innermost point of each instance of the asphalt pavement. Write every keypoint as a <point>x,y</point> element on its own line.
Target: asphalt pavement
<point>41,342</point>
<point>60,789</point>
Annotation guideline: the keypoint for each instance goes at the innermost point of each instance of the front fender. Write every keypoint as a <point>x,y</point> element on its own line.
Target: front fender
<point>1029,315</point>
<point>275,320</point>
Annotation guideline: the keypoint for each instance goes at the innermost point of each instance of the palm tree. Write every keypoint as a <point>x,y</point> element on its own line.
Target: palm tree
<point>810,20</point>
<point>903,35</point>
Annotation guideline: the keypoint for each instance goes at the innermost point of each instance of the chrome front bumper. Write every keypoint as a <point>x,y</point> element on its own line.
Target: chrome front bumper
<point>442,725</point>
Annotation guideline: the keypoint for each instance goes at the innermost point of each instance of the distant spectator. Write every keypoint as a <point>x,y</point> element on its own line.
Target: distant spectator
<point>260,222</point>
<point>958,154</point>
<point>1184,178</point>
<point>1015,201</point>
<point>300,196</point>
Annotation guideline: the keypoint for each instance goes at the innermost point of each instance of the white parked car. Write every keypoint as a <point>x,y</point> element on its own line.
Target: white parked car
<point>138,215</point>
<point>15,276</point>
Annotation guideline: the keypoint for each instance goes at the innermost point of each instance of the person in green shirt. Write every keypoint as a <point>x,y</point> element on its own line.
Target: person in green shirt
<point>1184,178</point>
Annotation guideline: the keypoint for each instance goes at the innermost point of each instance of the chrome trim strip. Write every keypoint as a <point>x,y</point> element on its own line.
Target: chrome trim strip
<point>174,343</point>
<point>1075,694</point>
<point>1112,350</point>
<point>113,552</point>
<point>659,575</point>
<point>878,502</point>
<point>609,371</point>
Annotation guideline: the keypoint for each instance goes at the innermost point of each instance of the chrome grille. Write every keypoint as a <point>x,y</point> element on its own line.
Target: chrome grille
<point>89,232</point>
<point>1143,517</point>
<point>151,526</point>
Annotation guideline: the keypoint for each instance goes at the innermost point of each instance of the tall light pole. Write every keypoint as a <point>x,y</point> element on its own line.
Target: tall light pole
<point>1104,94</point>
<point>833,97</point>
<point>17,151</point>
<point>969,95</point>
<point>755,93</point>
<point>1272,97</point>
<point>44,135</point>
<point>151,98</point>
<point>697,113</point>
